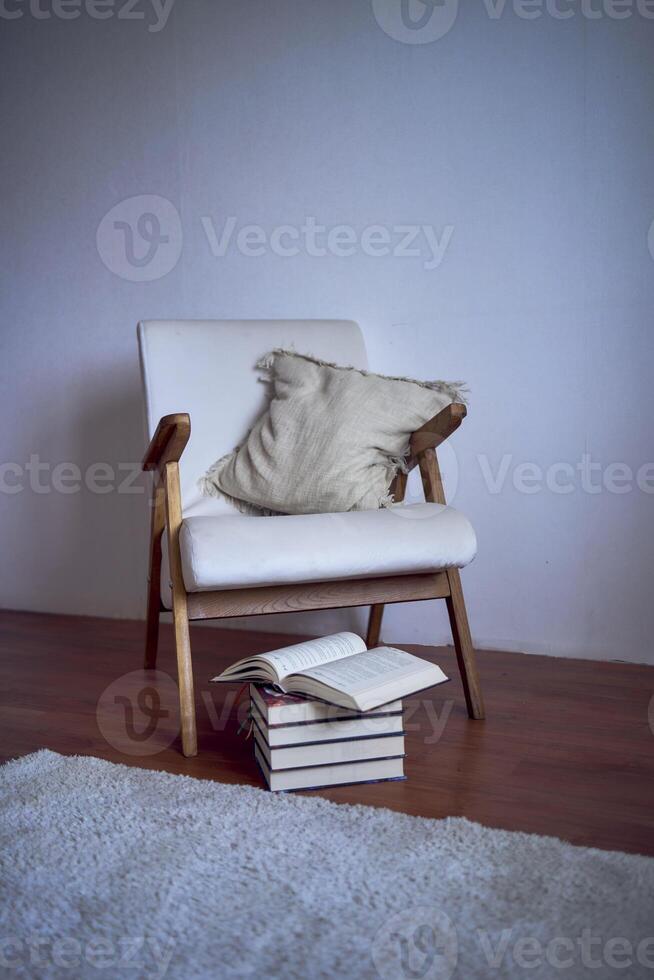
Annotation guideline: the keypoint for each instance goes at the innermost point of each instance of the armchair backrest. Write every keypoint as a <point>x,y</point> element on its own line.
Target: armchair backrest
<point>207,368</point>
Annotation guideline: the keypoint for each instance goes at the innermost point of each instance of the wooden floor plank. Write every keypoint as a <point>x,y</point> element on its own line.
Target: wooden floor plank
<point>566,748</point>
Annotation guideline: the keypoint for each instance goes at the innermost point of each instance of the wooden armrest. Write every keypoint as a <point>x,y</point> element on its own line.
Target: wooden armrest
<point>168,442</point>
<point>436,430</point>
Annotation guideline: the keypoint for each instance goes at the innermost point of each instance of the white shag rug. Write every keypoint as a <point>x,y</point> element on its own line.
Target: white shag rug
<point>111,871</point>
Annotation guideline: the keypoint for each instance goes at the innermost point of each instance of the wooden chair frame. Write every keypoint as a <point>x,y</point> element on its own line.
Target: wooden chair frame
<point>162,458</point>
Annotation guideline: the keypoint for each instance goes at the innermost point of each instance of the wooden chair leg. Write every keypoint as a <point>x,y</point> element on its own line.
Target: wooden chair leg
<point>157,524</point>
<point>398,490</point>
<point>185,679</point>
<point>456,607</point>
<point>374,625</point>
<point>180,613</point>
<point>465,653</point>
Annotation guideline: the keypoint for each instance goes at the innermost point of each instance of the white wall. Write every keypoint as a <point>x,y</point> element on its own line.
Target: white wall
<point>534,139</point>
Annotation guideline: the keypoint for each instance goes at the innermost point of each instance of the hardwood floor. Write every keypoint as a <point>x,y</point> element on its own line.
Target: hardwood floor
<point>566,748</point>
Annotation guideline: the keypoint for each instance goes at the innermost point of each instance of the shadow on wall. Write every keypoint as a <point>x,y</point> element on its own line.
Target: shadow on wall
<point>86,500</point>
<point>316,623</point>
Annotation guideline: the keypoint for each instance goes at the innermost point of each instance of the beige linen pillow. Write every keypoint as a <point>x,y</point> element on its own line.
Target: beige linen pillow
<point>331,440</point>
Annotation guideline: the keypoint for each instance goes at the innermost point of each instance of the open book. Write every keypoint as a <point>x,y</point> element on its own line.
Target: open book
<point>339,669</point>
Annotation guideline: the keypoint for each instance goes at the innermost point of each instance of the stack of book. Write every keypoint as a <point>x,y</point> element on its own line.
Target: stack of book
<point>305,744</point>
<point>328,711</point>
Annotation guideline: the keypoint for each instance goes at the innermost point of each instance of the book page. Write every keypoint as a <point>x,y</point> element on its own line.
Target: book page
<point>369,669</point>
<point>325,649</point>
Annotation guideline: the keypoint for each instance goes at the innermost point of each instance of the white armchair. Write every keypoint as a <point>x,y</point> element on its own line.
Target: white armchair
<point>216,562</point>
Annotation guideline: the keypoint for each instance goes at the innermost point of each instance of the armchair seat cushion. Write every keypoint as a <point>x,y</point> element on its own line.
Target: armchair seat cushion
<point>233,551</point>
